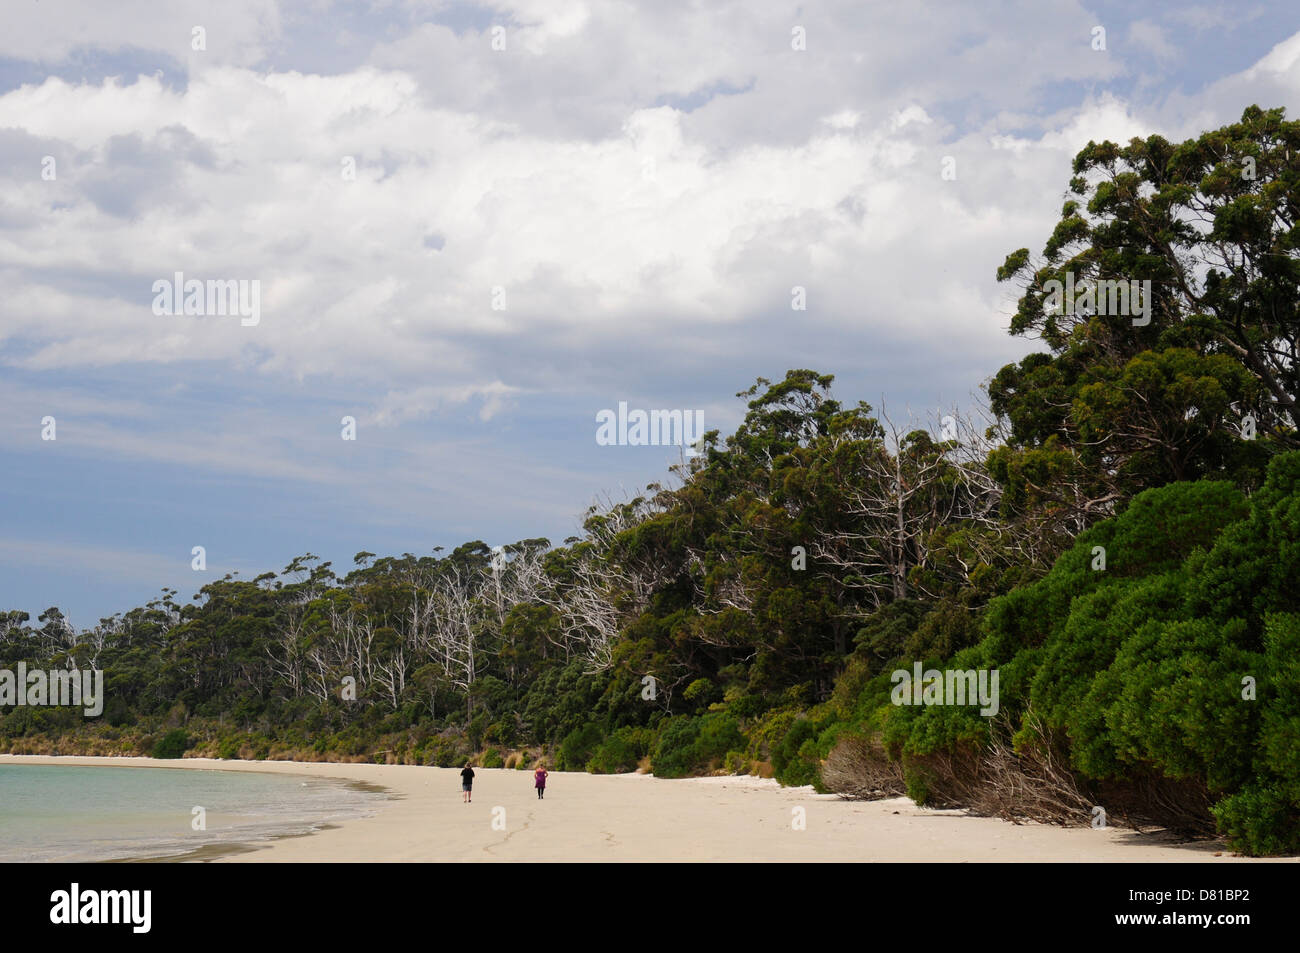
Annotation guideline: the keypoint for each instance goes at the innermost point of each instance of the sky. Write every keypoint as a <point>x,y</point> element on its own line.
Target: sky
<point>474,226</point>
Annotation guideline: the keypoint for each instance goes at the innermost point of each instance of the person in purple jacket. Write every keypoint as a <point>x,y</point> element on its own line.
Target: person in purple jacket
<point>539,780</point>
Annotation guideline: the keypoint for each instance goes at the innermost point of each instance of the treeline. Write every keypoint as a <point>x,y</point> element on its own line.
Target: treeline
<point>1116,537</point>
<point>723,605</point>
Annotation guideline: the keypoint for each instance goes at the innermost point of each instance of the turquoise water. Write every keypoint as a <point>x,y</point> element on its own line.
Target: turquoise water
<point>73,813</point>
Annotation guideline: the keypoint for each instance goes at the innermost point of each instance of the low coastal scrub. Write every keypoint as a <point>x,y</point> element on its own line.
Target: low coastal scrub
<point>174,744</point>
<point>689,745</point>
<point>1162,689</point>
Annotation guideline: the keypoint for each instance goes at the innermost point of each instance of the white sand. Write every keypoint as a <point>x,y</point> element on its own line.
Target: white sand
<point>640,818</point>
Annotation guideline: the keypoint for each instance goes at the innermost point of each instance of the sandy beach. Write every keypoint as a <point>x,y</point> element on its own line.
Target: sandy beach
<point>641,818</point>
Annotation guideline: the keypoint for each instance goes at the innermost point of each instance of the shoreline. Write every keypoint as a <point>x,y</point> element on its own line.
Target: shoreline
<point>632,817</point>
<point>238,843</point>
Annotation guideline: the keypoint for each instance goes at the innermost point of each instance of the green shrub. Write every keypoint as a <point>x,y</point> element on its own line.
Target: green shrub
<point>674,754</point>
<point>719,733</point>
<point>1142,666</point>
<point>701,692</point>
<point>174,744</point>
<point>491,759</point>
<point>691,745</point>
<point>737,762</point>
<point>578,746</point>
<point>501,733</point>
<point>620,752</point>
<point>1259,820</point>
<point>787,766</point>
<point>446,754</point>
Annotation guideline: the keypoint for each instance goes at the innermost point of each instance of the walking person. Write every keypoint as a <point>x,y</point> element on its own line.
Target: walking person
<point>539,780</point>
<point>467,784</point>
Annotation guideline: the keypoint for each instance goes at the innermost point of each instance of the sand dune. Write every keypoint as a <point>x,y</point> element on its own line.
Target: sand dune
<point>641,818</point>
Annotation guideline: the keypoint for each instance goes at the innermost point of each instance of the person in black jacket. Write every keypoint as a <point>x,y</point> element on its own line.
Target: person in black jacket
<point>467,783</point>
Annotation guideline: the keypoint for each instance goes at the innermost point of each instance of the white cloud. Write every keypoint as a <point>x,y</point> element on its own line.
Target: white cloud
<point>648,220</point>
<point>844,119</point>
<point>238,31</point>
<point>644,182</point>
<point>1280,61</point>
<point>911,114</point>
<point>572,231</point>
<point>418,402</point>
<point>1153,38</point>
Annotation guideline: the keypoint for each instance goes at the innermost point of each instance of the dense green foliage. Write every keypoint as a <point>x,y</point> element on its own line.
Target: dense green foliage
<point>1118,547</point>
<point>1176,665</point>
<point>172,745</point>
